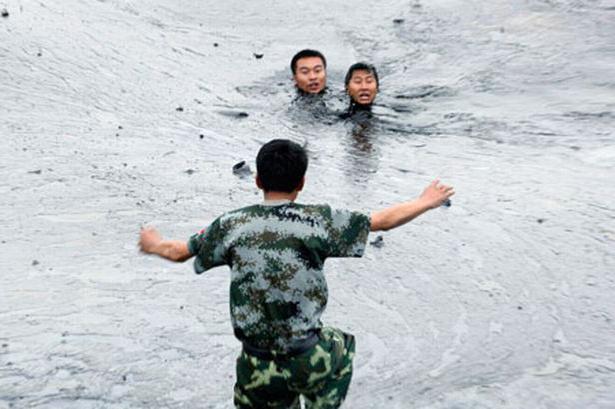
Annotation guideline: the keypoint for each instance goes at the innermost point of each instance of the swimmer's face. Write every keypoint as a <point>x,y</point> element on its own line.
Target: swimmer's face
<point>362,87</point>
<point>310,76</point>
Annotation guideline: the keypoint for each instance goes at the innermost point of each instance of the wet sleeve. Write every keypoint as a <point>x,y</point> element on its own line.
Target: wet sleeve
<point>348,233</point>
<point>208,247</point>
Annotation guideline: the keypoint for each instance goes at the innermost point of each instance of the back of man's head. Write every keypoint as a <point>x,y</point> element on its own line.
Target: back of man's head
<point>304,54</point>
<point>281,165</point>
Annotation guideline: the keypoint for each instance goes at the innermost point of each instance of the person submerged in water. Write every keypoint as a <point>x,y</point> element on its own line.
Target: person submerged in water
<point>362,86</point>
<point>309,68</point>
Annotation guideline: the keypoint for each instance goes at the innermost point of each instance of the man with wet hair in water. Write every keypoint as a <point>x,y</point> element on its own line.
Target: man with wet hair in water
<point>309,68</point>
<point>276,252</point>
<point>362,86</point>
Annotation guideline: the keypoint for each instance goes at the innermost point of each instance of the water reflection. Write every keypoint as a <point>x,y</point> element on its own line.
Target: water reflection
<point>362,151</point>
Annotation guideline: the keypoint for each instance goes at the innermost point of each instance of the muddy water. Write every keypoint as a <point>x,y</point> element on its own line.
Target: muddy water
<point>119,113</point>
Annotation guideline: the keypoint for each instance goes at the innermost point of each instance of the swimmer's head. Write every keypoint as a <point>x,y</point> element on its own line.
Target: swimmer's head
<point>309,68</point>
<point>362,83</point>
<point>281,166</point>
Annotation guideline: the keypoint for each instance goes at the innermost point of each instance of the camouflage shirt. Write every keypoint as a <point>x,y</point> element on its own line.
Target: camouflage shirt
<point>276,255</point>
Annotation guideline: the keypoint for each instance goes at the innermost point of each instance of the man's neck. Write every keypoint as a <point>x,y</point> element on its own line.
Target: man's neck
<point>280,196</point>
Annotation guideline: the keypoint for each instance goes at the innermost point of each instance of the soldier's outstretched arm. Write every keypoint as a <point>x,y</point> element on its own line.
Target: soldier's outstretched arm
<point>433,196</point>
<point>151,242</point>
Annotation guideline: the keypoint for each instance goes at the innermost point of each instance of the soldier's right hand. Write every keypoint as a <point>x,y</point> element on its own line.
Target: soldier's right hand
<point>436,194</point>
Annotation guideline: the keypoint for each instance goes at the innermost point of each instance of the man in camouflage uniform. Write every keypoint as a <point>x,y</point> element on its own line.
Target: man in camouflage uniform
<point>276,251</point>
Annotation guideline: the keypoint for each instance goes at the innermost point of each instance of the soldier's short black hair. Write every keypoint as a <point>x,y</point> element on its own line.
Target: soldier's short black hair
<point>304,54</point>
<point>281,164</point>
<point>361,66</point>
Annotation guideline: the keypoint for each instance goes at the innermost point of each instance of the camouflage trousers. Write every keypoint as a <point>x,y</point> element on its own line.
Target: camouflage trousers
<point>321,375</point>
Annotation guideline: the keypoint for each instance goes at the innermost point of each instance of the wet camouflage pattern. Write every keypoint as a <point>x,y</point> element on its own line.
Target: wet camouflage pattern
<point>276,255</point>
<point>321,375</point>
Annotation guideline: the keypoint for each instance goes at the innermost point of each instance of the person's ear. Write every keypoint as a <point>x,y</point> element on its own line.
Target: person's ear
<point>301,184</point>
<point>259,184</point>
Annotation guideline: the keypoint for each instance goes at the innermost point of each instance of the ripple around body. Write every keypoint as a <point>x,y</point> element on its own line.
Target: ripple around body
<point>502,300</point>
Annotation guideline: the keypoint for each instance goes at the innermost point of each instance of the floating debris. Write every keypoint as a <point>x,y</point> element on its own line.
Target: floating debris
<point>398,20</point>
<point>179,109</point>
<point>4,13</point>
<point>201,136</point>
<point>447,203</point>
<point>36,172</point>
<point>242,169</point>
<point>234,114</point>
<point>378,241</point>
<point>35,262</point>
<point>258,56</point>
<point>190,171</point>
<point>215,44</point>
<point>541,221</point>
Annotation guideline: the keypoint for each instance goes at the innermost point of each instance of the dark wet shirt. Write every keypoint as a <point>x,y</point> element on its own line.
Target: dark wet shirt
<point>354,110</point>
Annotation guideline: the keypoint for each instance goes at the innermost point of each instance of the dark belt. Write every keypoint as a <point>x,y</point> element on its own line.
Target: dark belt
<point>297,348</point>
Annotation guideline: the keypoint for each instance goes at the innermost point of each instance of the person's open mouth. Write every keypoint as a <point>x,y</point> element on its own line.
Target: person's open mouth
<point>365,97</point>
<point>314,86</point>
